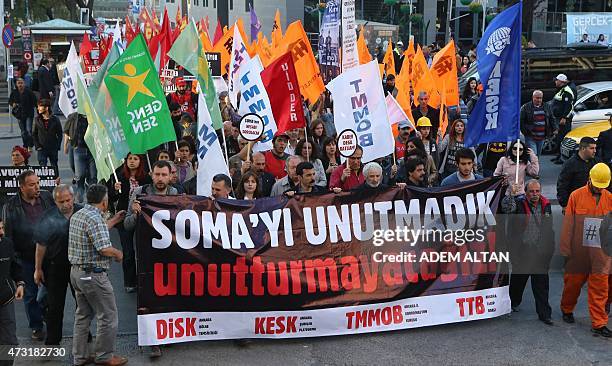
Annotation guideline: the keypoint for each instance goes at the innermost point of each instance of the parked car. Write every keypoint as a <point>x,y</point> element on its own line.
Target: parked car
<point>593,102</point>
<point>569,145</point>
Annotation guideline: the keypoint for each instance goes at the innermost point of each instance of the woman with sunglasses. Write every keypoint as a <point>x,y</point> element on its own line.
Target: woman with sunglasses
<point>528,164</point>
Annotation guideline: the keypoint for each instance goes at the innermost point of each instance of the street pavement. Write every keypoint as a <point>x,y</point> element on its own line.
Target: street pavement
<point>515,339</point>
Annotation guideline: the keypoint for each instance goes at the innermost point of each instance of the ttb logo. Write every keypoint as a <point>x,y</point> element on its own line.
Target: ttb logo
<point>469,306</point>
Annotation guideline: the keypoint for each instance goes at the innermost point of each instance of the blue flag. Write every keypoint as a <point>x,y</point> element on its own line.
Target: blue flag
<point>495,118</point>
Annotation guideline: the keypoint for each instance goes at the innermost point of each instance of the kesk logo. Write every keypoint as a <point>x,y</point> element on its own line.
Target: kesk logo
<point>498,41</point>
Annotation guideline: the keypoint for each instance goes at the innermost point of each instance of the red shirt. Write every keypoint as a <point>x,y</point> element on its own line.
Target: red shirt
<point>400,148</point>
<point>185,101</point>
<point>352,181</point>
<point>275,165</point>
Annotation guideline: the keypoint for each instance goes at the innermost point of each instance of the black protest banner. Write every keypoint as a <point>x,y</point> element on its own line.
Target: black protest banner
<point>316,265</point>
<point>9,186</point>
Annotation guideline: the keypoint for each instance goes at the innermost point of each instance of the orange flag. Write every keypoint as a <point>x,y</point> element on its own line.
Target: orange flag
<point>224,47</point>
<point>389,60</point>
<point>409,54</point>
<point>422,79</point>
<point>444,72</point>
<point>362,48</point>
<point>402,83</point>
<point>309,76</point>
<point>443,111</point>
<point>206,41</point>
<point>263,49</point>
<point>277,30</point>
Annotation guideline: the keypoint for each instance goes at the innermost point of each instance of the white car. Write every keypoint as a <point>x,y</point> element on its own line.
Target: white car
<point>594,100</point>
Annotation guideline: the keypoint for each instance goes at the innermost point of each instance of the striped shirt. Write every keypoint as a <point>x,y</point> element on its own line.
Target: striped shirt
<point>88,235</point>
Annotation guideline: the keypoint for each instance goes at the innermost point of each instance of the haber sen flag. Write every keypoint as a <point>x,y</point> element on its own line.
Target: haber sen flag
<point>423,81</point>
<point>254,99</point>
<point>444,72</point>
<point>139,99</point>
<point>68,94</point>
<point>359,105</point>
<point>224,47</point>
<point>283,89</point>
<point>240,55</point>
<point>309,76</point>
<point>210,156</point>
<point>96,137</point>
<point>495,117</point>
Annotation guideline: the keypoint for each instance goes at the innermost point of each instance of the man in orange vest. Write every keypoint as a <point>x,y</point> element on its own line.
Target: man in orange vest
<point>585,259</point>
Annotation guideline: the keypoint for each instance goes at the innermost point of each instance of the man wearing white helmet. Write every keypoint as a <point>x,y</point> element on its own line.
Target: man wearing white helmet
<point>562,106</point>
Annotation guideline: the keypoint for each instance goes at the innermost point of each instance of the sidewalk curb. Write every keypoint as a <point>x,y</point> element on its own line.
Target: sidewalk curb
<point>9,137</point>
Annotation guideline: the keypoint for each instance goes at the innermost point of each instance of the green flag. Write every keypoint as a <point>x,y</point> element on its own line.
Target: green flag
<point>104,108</point>
<point>138,99</point>
<point>95,137</point>
<point>188,52</point>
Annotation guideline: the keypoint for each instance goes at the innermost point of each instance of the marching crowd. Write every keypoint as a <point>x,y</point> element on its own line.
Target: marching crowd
<point>60,240</point>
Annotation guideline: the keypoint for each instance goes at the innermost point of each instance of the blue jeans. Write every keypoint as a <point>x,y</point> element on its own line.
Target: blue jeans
<point>84,170</point>
<point>534,145</point>
<point>44,155</point>
<point>25,125</point>
<point>34,311</point>
<point>71,158</point>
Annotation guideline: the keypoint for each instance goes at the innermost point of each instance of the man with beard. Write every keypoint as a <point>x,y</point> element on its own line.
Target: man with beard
<point>21,214</point>
<point>161,175</point>
<point>305,172</point>
<point>258,166</point>
<point>348,175</point>
<point>184,98</point>
<point>402,138</point>
<point>416,172</point>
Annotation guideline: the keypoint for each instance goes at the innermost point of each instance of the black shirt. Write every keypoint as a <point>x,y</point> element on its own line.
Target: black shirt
<point>52,232</point>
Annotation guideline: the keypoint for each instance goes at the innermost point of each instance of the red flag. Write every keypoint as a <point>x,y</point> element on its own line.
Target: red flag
<point>166,42</point>
<point>178,16</point>
<point>218,33</point>
<point>130,34</point>
<point>281,82</point>
<point>86,46</point>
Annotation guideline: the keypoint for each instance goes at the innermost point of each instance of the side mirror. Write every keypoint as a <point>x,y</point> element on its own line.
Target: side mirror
<point>580,107</point>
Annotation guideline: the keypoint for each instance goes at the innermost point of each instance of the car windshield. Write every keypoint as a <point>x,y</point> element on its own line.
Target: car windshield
<point>582,91</point>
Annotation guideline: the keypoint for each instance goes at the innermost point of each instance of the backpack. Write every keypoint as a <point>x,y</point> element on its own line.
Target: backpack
<point>605,234</point>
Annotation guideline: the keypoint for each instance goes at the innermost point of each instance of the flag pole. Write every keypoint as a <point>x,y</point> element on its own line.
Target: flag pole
<point>227,157</point>
<point>113,168</point>
<point>306,137</point>
<point>148,160</point>
<point>516,176</point>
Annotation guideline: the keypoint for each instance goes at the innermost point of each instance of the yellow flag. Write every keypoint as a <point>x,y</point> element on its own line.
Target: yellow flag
<point>277,30</point>
<point>389,61</point>
<point>444,72</point>
<point>422,79</point>
<point>309,76</point>
<point>362,48</point>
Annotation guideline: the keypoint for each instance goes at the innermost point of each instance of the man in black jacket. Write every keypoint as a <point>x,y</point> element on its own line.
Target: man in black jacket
<point>47,134</point>
<point>424,110</point>
<point>52,267</point>
<point>10,274</point>
<point>23,101</point>
<point>575,171</point>
<point>537,122</point>
<point>604,144</point>
<point>532,252</point>
<point>562,106</point>
<point>21,214</point>
<point>45,80</point>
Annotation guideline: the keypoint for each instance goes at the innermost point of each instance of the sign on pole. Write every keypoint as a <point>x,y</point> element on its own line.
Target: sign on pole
<point>8,36</point>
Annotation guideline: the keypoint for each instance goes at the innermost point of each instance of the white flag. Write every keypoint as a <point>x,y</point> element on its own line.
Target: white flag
<point>395,112</point>
<point>254,99</point>
<point>239,57</point>
<point>117,34</point>
<point>68,93</point>
<point>350,56</point>
<point>210,156</point>
<point>359,105</point>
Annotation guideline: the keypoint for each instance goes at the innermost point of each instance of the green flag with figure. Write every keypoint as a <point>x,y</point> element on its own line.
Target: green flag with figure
<point>96,137</point>
<point>138,99</point>
<point>188,52</point>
